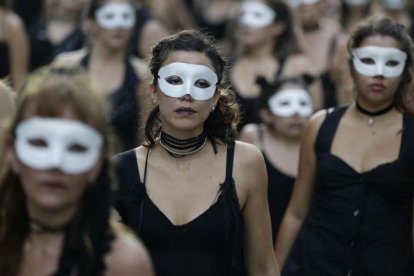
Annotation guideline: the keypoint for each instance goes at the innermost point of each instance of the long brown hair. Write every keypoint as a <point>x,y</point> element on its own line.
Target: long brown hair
<point>47,90</point>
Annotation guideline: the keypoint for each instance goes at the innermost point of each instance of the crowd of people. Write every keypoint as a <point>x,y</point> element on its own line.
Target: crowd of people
<point>206,137</point>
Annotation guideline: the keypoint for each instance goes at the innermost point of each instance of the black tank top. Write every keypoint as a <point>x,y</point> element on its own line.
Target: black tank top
<point>279,190</point>
<point>124,116</point>
<point>4,60</point>
<point>209,245</point>
<point>358,223</point>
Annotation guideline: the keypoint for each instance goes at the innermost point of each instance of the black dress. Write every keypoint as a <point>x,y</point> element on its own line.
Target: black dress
<point>4,60</point>
<point>124,116</point>
<point>279,190</point>
<point>359,223</point>
<point>209,245</point>
<point>43,51</point>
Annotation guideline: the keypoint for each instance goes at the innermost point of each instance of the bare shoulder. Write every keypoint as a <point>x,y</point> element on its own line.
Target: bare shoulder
<point>246,154</point>
<point>13,21</point>
<point>128,256</point>
<point>70,58</point>
<point>249,134</point>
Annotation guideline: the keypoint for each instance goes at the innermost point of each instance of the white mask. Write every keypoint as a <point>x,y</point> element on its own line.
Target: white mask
<point>47,143</point>
<point>308,2</point>
<point>394,4</point>
<point>379,61</point>
<point>116,15</point>
<point>288,102</point>
<point>178,79</point>
<point>357,2</point>
<point>256,15</point>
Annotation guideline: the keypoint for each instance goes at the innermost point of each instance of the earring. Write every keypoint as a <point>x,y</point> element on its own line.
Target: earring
<point>212,108</point>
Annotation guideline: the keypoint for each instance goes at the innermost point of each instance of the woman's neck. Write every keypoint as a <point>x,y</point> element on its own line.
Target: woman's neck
<point>106,55</point>
<point>263,51</point>
<point>47,220</point>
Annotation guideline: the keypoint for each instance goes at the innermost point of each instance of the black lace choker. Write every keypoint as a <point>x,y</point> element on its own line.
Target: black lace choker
<point>41,227</point>
<point>371,115</point>
<point>178,148</point>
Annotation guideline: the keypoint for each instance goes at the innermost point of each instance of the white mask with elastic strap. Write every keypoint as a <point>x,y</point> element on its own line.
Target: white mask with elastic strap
<point>256,15</point>
<point>373,61</point>
<point>51,143</point>
<point>288,102</point>
<point>116,15</point>
<point>179,79</point>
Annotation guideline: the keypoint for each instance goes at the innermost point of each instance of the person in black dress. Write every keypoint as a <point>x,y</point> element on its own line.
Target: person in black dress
<point>351,209</point>
<point>109,24</point>
<point>285,107</point>
<point>194,195</point>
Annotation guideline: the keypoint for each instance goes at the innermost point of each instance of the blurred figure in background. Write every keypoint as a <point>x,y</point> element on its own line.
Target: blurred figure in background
<point>267,46</point>
<point>57,30</point>
<point>285,107</point>
<point>109,25</point>
<point>14,46</point>
<point>55,185</point>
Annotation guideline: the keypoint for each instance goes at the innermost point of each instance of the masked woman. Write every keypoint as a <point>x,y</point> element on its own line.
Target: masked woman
<point>195,196</point>
<point>352,204</point>
<point>55,185</point>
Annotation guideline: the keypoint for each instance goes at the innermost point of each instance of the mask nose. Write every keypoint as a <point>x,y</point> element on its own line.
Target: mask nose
<point>379,70</point>
<point>56,158</point>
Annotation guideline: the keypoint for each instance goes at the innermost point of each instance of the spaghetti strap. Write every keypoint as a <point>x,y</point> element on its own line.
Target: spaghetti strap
<point>146,167</point>
<point>229,162</point>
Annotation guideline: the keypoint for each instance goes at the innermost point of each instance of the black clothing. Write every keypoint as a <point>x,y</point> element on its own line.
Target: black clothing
<point>43,51</point>
<point>124,108</point>
<point>209,245</point>
<point>279,190</point>
<point>359,223</point>
<point>4,60</point>
<point>249,107</point>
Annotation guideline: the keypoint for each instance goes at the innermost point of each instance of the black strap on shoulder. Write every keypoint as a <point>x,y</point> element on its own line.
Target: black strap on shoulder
<point>328,129</point>
<point>229,161</point>
<point>146,167</point>
<point>406,153</point>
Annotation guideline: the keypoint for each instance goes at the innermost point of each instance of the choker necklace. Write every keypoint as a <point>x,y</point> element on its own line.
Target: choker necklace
<point>178,148</point>
<point>41,227</point>
<point>371,115</point>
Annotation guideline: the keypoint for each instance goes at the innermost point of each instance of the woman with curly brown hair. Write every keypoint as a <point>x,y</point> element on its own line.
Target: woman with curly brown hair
<point>194,195</point>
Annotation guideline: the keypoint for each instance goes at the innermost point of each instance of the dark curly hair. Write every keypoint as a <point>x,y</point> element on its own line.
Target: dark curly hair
<point>383,26</point>
<point>221,124</point>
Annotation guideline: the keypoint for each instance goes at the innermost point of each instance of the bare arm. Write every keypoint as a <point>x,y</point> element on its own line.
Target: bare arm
<point>251,181</point>
<point>19,49</point>
<point>302,192</point>
<point>128,256</point>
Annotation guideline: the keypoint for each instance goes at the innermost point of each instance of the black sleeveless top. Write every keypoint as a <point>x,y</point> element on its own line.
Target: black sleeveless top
<point>359,223</point>
<point>249,107</point>
<point>42,51</point>
<point>123,115</point>
<point>209,245</point>
<point>279,190</point>
<point>4,60</point>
